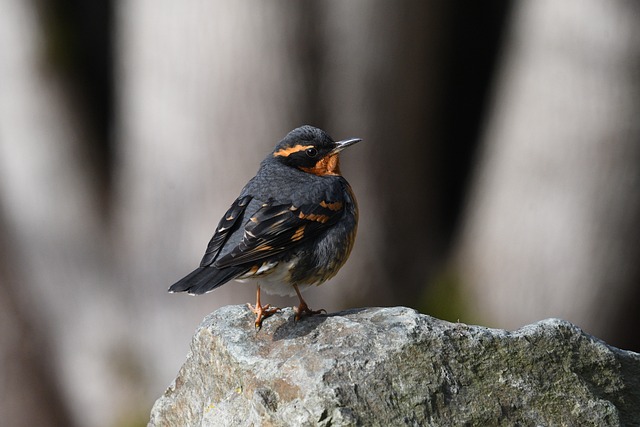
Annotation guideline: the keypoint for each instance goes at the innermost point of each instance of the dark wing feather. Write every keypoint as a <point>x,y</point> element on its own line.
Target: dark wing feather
<point>276,228</point>
<point>228,224</point>
<point>205,279</point>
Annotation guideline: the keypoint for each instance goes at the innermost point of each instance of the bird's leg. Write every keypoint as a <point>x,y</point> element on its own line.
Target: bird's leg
<point>261,311</point>
<point>303,309</point>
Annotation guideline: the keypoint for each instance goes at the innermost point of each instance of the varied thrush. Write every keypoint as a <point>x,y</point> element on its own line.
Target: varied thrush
<point>293,225</point>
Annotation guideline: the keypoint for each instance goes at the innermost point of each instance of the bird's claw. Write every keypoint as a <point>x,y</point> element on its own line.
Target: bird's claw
<point>262,312</point>
<point>304,310</point>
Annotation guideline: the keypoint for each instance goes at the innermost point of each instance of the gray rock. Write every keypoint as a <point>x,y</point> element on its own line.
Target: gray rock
<point>394,366</point>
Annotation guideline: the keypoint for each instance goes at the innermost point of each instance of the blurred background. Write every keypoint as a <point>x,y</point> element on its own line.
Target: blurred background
<point>498,179</point>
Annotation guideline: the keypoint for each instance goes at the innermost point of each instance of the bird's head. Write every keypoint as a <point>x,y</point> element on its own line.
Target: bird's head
<point>311,150</point>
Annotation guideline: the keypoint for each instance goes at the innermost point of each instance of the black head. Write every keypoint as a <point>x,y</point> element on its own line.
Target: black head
<point>312,150</point>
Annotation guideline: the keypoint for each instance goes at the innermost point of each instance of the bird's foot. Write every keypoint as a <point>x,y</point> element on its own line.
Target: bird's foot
<point>304,310</point>
<point>262,312</point>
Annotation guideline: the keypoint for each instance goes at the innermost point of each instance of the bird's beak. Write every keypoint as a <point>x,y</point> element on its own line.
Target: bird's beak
<point>341,145</point>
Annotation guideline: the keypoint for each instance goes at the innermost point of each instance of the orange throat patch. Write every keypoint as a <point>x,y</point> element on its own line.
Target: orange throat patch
<point>329,165</point>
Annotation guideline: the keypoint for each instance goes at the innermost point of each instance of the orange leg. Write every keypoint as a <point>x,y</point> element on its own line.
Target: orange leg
<point>261,311</point>
<point>303,309</point>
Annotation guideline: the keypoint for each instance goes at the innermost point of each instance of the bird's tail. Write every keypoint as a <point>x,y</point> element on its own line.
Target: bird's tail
<point>205,279</point>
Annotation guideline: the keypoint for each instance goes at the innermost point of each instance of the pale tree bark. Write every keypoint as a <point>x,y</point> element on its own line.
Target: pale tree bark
<point>57,241</point>
<point>205,91</point>
<point>551,228</point>
<point>27,380</point>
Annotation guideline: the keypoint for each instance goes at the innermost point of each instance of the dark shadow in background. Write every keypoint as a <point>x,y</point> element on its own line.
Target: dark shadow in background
<point>474,47</point>
<point>79,48</point>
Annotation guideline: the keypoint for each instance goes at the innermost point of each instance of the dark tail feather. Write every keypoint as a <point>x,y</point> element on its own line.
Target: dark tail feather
<point>205,279</point>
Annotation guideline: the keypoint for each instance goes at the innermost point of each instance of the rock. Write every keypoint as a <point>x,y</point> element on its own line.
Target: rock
<point>394,366</point>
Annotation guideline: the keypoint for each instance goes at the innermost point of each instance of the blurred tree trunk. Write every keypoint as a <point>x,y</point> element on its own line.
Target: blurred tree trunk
<point>27,380</point>
<point>381,70</point>
<point>552,228</point>
<point>57,243</point>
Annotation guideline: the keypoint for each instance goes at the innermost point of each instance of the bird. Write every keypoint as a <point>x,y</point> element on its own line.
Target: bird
<point>293,225</point>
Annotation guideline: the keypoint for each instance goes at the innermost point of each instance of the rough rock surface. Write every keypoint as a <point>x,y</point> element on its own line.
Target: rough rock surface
<point>394,366</point>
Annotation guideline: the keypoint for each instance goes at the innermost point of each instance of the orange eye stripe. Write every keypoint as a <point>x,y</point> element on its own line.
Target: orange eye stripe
<point>286,152</point>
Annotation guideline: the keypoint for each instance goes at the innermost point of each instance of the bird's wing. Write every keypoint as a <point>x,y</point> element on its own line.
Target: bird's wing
<point>227,225</point>
<point>276,228</point>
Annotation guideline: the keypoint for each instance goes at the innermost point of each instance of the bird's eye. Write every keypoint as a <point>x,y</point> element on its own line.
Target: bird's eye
<point>311,152</point>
